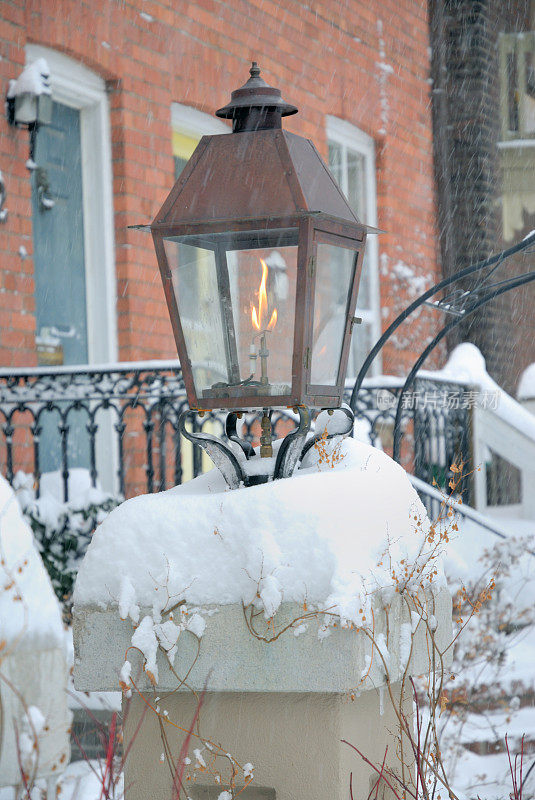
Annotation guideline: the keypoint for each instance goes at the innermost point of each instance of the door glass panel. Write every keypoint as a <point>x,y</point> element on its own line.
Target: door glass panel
<point>58,233</point>
<point>336,163</point>
<point>60,287</point>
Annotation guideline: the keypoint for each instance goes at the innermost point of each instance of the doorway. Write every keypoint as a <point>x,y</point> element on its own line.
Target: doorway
<point>74,259</point>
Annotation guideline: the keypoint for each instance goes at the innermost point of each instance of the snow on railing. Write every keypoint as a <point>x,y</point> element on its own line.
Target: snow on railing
<point>503,439</point>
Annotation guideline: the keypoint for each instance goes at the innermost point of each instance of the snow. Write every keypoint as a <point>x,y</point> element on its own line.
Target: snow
<point>466,363</point>
<point>126,671</point>
<point>270,595</point>
<point>102,368</point>
<point>408,277</point>
<point>81,493</point>
<point>34,79</point>
<point>332,423</point>
<point>127,601</point>
<point>32,726</point>
<point>526,387</point>
<point>82,780</point>
<point>49,508</point>
<point>29,611</point>
<point>209,546</point>
<point>485,776</point>
<point>473,553</point>
<point>150,635</point>
<point>494,657</point>
<point>196,625</point>
<point>145,639</point>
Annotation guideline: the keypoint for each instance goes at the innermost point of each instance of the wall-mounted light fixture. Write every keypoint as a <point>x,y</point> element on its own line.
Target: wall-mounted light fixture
<point>29,102</point>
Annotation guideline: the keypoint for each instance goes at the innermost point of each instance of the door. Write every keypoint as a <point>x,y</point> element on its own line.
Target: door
<point>59,265</point>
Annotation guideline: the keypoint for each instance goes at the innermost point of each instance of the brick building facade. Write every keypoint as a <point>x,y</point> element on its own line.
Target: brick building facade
<point>135,85</point>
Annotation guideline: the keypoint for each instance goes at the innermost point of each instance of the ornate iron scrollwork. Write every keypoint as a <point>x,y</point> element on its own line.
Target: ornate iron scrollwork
<point>235,469</point>
<point>344,430</point>
<point>291,447</point>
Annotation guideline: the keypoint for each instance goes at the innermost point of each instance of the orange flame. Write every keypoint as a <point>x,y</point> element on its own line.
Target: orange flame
<point>257,318</point>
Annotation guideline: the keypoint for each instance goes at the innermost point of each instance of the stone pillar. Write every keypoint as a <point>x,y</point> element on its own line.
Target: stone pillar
<point>285,682</point>
<point>283,706</point>
<point>294,741</point>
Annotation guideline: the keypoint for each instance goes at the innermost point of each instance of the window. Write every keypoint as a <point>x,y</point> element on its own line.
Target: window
<point>189,125</point>
<point>352,163</point>
<point>517,85</point>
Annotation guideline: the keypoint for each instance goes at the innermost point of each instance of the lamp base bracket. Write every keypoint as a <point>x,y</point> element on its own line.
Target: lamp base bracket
<point>231,454</point>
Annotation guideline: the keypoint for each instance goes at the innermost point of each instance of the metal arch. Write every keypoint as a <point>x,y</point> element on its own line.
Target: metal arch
<point>464,273</point>
<point>507,286</point>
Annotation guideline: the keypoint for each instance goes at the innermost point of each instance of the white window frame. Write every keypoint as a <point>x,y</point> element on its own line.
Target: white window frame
<point>76,86</point>
<point>350,137</point>
<point>192,122</point>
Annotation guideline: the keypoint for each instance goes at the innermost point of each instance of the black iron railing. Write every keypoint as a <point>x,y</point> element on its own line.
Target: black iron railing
<point>91,436</point>
<point>120,423</point>
<point>435,424</point>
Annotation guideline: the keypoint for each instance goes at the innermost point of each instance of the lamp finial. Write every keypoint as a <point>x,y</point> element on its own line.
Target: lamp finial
<point>256,106</point>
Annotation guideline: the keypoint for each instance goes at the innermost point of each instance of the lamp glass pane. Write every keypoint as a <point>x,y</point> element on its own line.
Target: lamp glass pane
<point>334,281</point>
<point>25,108</point>
<point>235,294</point>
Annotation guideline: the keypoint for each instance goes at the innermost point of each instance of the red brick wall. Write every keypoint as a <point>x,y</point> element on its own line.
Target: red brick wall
<point>365,62</point>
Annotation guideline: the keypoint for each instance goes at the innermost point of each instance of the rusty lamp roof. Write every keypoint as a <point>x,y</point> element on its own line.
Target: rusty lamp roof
<point>257,171</point>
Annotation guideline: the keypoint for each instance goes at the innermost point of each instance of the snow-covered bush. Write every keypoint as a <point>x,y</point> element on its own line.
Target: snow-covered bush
<point>61,530</point>
<point>491,691</point>
<point>33,663</point>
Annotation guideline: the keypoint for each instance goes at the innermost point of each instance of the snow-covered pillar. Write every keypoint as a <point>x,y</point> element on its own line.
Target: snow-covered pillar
<point>34,716</point>
<point>191,584</point>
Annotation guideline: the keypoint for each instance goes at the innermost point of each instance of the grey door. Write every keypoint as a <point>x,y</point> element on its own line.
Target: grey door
<point>59,264</point>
